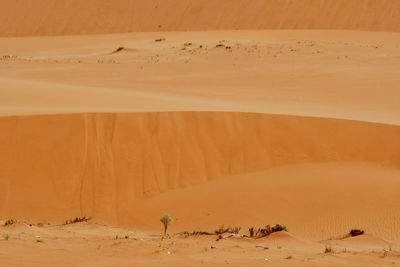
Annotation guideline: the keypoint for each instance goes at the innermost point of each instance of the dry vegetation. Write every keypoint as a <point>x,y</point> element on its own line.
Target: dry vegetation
<point>253,232</point>
<point>78,220</point>
<point>356,232</point>
<point>9,222</point>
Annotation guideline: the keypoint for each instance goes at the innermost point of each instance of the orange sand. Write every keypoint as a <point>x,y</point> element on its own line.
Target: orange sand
<point>247,127</point>
<point>48,17</point>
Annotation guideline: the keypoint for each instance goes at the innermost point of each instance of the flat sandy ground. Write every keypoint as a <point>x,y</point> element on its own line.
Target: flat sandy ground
<point>299,127</point>
<point>88,244</point>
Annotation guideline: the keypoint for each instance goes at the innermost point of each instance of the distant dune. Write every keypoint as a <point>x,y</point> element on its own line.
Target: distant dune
<point>67,17</point>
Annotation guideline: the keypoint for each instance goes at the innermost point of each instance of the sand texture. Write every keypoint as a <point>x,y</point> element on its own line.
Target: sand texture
<point>62,17</point>
<point>236,112</point>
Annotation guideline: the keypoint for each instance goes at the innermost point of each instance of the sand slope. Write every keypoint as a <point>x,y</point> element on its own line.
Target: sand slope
<point>59,166</point>
<point>48,17</point>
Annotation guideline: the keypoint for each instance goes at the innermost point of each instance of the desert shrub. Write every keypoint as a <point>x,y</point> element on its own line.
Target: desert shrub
<point>186,234</point>
<point>78,220</point>
<point>279,228</point>
<point>166,221</point>
<point>6,237</point>
<point>222,230</point>
<point>9,222</point>
<point>328,249</point>
<point>356,232</point>
<point>265,231</point>
<point>159,40</point>
<point>262,232</point>
<point>251,231</point>
<point>236,229</point>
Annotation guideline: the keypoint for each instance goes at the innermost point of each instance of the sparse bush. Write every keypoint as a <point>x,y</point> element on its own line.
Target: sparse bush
<point>236,229</point>
<point>159,40</point>
<point>279,228</point>
<point>356,232</point>
<point>166,221</point>
<point>262,232</point>
<point>222,230</point>
<point>78,220</point>
<point>328,249</point>
<point>251,231</point>
<point>186,234</point>
<point>265,231</point>
<point>6,237</point>
<point>9,222</point>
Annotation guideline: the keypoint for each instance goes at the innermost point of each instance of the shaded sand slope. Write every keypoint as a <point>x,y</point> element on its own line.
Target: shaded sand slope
<point>58,166</point>
<point>48,17</point>
<point>315,201</point>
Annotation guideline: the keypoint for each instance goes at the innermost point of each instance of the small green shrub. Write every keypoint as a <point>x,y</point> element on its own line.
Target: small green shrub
<point>6,237</point>
<point>166,221</point>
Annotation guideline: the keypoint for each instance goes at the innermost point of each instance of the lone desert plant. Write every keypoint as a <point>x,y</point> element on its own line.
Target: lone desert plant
<point>6,236</point>
<point>165,220</point>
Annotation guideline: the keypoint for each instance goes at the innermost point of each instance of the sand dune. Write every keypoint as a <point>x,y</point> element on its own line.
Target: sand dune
<point>235,112</point>
<point>335,74</point>
<point>101,164</point>
<point>115,165</point>
<point>47,17</point>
